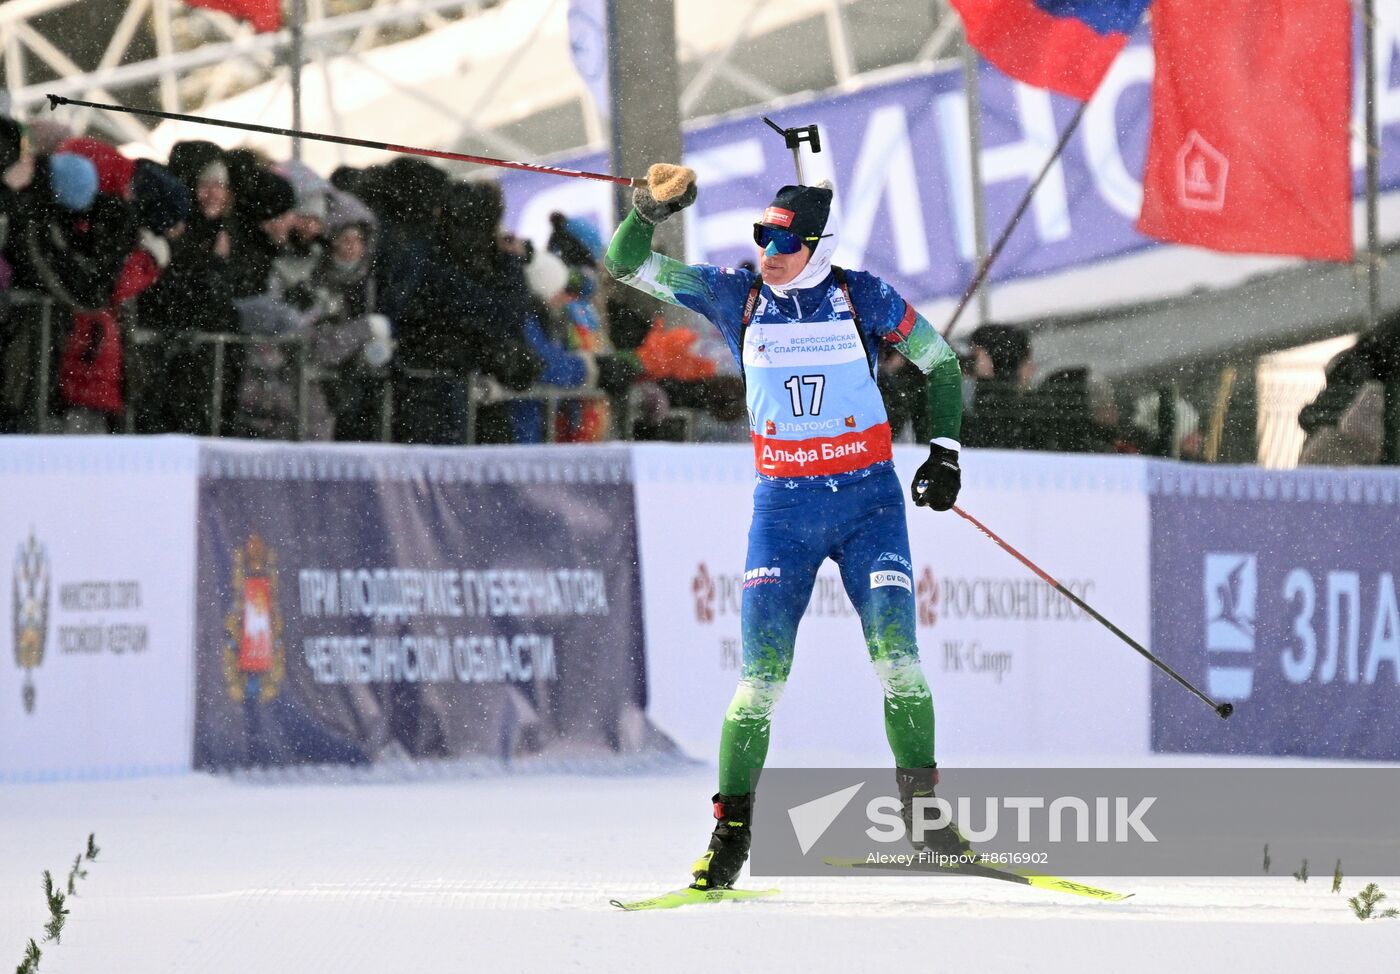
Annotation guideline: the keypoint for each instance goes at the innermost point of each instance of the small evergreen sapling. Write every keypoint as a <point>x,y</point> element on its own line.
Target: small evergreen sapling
<point>53,930</point>
<point>1364,904</point>
<point>1267,860</point>
<point>1337,878</point>
<point>1302,874</point>
<point>30,964</point>
<point>75,874</point>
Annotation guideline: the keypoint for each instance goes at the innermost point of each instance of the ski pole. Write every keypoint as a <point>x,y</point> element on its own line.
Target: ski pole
<point>56,100</point>
<point>1223,709</point>
<point>1011,224</point>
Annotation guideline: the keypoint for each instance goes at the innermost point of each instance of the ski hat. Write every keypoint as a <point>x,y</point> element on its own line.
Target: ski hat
<point>263,195</point>
<point>310,188</point>
<point>586,233</point>
<point>74,181</point>
<point>1006,345</point>
<point>801,209</point>
<point>190,160</point>
<point>577,242</point>
<point>160,199</point>
<point>806,210</point>
<point>114,170</point>
<point>546,275</point>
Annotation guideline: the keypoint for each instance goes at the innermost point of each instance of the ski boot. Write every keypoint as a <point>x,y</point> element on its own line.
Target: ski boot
<point>729,843</point>
<point>946,841</point>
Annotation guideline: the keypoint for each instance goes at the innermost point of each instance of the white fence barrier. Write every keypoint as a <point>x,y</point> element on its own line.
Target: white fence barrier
<point>97,557</point>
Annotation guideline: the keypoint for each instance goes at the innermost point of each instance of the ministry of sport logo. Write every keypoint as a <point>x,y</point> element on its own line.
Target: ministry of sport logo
<point>254,659</point>
<point>30,612</point>
<point>703,588</point>
<point>1231,582</point>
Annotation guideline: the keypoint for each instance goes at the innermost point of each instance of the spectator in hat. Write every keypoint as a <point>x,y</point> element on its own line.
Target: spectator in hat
<point>114,170</point>
<point>1003,414</point>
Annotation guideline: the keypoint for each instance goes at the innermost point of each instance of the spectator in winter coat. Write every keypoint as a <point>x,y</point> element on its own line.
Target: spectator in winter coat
<point>261,224</point>
<point>580,246</point>
<point>300,254</point>
<point>202,169</point>
<point>1374,358</point>
<point>550,336</point>
<point>406,196</point>
<point>92,367</point>
<point>1004,414</point>
<point>1358,437</point>
<point>162,206</point>
<point>351,340</point>
<point>69,243</point>
<point>194,295</point>
<point>16,169</point>
<point>465,316</point>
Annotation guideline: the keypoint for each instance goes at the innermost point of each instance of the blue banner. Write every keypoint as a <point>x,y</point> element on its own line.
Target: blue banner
<point>897,154</point>
<point>354,602</point>
<point>1277,592</point>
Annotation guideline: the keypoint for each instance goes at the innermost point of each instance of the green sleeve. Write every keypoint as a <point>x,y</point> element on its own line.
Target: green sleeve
<point>945,399</point>
<point>925,347</point>
<point>631,260</point>
<point>630,246</point>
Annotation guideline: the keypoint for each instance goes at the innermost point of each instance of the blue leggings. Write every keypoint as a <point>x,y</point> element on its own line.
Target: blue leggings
<point>859,525</point>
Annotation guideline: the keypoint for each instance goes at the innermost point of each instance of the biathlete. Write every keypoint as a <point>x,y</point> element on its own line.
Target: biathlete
<point>807,335</point>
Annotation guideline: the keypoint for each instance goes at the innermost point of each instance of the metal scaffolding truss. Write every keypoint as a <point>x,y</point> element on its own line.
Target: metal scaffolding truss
<point>721,62</point>
<point>203,57</point>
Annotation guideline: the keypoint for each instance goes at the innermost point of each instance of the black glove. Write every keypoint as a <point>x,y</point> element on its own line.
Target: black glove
<point>653,211</point>
<point>938,479</point>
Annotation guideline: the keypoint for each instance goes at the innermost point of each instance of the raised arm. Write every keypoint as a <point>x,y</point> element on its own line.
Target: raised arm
<point>702,288</point>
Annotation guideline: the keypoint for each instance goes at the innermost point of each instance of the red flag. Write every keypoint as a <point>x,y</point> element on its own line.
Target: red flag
<point>264,15</point>
<point>1063,45</point>
<point>1250,148</point>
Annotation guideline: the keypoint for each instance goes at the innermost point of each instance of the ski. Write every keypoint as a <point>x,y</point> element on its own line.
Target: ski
<point>690,895</point>
<point>1024,877</point>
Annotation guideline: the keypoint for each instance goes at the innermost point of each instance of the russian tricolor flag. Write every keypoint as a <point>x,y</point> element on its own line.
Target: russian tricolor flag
<point>1063,45</point>
<point>1251,102</point>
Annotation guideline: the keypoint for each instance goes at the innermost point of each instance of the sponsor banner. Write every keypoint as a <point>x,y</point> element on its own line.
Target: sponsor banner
<point>1078,821</point>
<point>821,455</point>
<point>897,154</point>
<point>96,585</point>
<point>1276,591</point>
<point>1017,672</point>
<point>355,602</point>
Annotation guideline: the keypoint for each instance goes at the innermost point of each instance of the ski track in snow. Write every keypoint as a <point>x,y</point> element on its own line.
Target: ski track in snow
<point>514,873</point>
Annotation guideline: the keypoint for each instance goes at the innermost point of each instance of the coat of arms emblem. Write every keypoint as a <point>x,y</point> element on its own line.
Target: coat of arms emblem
<point>31,612</point>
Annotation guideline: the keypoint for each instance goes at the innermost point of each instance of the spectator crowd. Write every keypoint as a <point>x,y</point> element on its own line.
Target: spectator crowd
<point>223,293</point>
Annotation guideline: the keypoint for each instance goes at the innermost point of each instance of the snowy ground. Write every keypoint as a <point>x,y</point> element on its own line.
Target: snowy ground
<point>513,873</point>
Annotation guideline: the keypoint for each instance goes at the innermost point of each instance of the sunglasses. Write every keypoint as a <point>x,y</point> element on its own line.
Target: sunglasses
<point>783,241</point>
